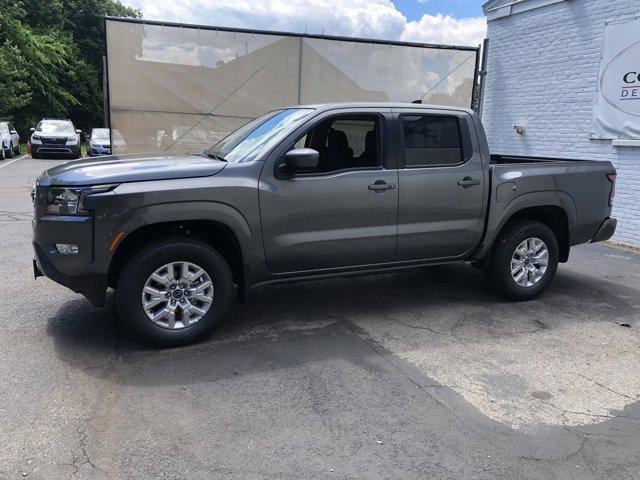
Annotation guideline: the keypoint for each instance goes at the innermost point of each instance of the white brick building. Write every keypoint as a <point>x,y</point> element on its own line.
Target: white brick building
<point>542,70</point>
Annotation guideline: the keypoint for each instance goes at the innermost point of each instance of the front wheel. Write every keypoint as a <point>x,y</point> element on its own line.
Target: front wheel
<point>174,292</point>
<point>523,260</point>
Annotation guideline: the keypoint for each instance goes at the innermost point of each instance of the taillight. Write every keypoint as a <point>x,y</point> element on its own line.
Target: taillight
<point>612,193</point>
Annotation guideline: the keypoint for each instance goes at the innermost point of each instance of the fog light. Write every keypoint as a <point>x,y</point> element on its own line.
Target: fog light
<point>67,248</point>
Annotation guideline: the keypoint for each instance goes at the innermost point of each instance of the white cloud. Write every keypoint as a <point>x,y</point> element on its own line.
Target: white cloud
<point>446,29</point>
<point>360,18</point>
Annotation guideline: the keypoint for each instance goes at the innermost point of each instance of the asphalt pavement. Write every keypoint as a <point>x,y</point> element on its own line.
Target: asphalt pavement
<point>414,375</point>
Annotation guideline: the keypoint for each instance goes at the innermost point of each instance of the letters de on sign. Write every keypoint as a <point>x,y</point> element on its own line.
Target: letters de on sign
<point>617,109</point>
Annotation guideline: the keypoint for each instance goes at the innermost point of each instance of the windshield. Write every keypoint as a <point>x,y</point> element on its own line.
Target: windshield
<point>258,136</point>
<point>100,133</point>
<point>55,126</point>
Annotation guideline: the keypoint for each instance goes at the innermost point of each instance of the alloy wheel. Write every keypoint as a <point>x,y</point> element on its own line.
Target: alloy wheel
<point>177,295</point>
<point>529,262</point>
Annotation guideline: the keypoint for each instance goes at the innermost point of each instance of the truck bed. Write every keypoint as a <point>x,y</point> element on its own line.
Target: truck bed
<point>511,159</point>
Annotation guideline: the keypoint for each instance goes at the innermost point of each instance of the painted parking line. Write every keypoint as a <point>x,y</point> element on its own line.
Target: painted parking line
<point>14,160</point>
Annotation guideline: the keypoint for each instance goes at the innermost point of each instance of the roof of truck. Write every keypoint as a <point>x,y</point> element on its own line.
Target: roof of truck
<point>338,105</point>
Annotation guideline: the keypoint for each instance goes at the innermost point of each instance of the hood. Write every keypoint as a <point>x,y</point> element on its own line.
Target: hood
<point>130,168</point>
<point>54,134</point>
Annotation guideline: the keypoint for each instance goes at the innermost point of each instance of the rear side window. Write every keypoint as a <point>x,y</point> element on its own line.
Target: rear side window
<point>431,140</point>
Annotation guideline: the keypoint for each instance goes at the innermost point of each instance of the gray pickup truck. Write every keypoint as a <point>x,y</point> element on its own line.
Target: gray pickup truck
<point>310,192</point>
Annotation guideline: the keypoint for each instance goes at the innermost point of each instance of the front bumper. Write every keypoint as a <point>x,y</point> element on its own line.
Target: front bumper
<point>76,272</point>
<point>45,149</point>
<point>606,230</point>
<point>98,150</point>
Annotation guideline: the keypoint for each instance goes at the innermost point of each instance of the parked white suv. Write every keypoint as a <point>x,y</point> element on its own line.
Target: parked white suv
<point>9,141</point>
<point>53,137</point>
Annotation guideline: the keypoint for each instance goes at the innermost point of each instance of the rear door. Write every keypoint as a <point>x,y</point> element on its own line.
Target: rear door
<point>344,214</point>
<point>441,185</point>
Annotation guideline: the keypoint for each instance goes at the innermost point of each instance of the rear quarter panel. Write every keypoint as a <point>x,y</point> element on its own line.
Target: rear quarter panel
<point>580,188</point>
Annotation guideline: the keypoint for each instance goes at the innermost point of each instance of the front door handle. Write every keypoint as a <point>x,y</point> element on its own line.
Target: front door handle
<point>468,182</point>
<point>381,186</point>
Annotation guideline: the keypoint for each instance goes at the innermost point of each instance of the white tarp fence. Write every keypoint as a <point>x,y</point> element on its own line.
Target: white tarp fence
<point>616,113</point>
<point>182,88</point>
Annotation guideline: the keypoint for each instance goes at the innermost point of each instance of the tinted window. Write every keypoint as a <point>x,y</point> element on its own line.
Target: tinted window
<point>344,143</point>
<point>431,140</point>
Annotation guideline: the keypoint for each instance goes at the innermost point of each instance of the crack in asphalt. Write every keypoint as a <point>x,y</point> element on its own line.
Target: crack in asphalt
<point>607,388</point>
<point>8,216</point>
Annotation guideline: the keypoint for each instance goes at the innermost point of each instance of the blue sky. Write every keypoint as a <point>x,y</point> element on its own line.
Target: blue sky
<point>414,9</point>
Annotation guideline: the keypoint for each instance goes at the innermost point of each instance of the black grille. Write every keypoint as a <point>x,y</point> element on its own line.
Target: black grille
<point>54,141</point>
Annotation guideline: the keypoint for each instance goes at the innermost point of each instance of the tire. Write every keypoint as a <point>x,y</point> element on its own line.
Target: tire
<point>533,277</point>
<point>138,271</point>
<point>10,151</point>
<point>3,154</point>
<point>34,155</point>
<point>17,150</point>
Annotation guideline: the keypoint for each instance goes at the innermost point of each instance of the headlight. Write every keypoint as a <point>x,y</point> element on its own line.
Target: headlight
<point>72,140</point>
<point>68,201</point>
<point>35,139</point>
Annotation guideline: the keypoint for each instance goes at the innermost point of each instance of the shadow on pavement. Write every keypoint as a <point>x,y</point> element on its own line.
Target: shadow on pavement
<point>294,374</point>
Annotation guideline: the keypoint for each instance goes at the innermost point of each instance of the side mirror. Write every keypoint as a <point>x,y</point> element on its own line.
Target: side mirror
<point>32,129</point>
<point>299,160</point>
<point>14,132</point>
<point>78,131</point>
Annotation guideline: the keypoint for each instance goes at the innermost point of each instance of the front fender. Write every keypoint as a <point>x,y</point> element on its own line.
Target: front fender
<point>186,211</point>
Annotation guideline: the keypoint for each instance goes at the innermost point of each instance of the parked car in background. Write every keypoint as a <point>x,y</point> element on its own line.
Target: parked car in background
<point>100,143</point>
<point>311,192</point>
<point>9,141</point>
<point>53,137</point>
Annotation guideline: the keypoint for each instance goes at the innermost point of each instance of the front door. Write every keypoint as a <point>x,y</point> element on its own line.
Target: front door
<point>342,214</point>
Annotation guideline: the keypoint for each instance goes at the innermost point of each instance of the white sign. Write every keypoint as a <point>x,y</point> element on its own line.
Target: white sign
<point>616,113</point>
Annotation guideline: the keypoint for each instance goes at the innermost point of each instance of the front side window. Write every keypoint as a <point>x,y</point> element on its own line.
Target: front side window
<point>4,128</point>
<point>344,143</point>
<point>431,140</point>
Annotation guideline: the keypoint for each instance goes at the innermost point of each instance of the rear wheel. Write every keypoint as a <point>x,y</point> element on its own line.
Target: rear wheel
<point>523,260</point>
<point>10,151</point>
<point>174,292</point>
<point>17,150</point>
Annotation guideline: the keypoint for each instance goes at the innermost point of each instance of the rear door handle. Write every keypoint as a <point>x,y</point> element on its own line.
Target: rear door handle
<point>467,182</point>
<point>381,186</point>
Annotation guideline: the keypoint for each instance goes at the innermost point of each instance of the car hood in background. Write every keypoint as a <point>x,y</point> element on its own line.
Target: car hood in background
<point>55,135</point>
<point>130,168</point>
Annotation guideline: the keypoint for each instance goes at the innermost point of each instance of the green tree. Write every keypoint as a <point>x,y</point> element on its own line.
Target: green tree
<point>52,51</point>
<point>14,89</point>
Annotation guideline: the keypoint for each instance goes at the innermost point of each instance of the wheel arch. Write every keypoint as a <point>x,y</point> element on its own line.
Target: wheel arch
<point>554,209</point>
<point>218,225</point>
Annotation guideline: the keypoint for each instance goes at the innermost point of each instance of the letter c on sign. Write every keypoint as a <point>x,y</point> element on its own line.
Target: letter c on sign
<point>632,76</point>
